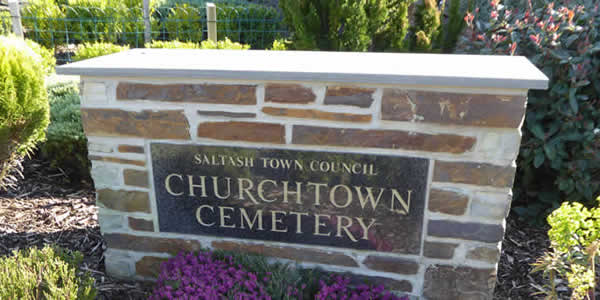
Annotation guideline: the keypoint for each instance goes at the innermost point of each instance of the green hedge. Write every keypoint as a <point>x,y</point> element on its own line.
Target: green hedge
<point>48,273</point>
<point>47,56</point>
<point>5,22</point>
<point>91,50</point>
<point>24,110</point>
<point>66,144</point>
<point>560,151</point>
<point>121,22</point>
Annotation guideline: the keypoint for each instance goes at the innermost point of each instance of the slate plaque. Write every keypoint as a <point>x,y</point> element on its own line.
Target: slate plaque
<point>359,201</point>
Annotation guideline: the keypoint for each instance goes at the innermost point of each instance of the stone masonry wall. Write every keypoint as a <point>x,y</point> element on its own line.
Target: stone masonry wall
<point>470,136</point>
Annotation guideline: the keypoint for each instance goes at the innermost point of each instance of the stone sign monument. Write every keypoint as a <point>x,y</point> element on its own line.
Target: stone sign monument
<point>396,168</point>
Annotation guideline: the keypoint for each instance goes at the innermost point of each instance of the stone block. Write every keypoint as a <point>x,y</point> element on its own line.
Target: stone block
<point>117,160</point>
<point>149,266</point>
<point>243,131</point>
<point>439,250</point>
<point>135,178</point>
<point>289,93</point>
<point>379,138</point>
<point>93,93</point>
<point>316,114</point>
<point>104,175</point>
<point>110,223</point>
<point>489,233</point>
<point>140,224</point>
<point>447,282</point>
<point>490,205</point>
<point>486,254</point>
<point>150,244</point>
<point>349,95</point>
<point>127,201</point>
<point>118,265</point>
<point>484,110</point>
<point>474,173</point>
<point>131,149</point>
<point>100,147</point>
<point>165,124</point>
<point>448,202</point>
<point>391,264</point>
<point>192,93</point>
<point>291,253</point>
<point>226,114</point>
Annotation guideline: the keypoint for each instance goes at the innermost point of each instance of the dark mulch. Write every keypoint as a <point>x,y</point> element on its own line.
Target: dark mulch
<point>48,208</point>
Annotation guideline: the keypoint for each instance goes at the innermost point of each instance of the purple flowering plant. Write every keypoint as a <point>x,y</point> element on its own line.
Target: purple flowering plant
<point>222,275</point>
<point>339,287</point>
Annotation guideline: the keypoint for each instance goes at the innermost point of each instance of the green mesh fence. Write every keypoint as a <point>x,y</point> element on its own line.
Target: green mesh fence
<point>256,23</point>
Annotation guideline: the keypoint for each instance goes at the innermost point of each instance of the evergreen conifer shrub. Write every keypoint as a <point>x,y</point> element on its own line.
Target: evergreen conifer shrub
<point>48,273</point>
<point>24,109</point>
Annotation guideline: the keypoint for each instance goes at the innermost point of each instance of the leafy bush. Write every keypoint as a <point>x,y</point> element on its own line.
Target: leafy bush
<point>256,25</point>
<point>344,25</point>
<point>48,59</point>
<point>427,26</point>
<point>173,45</point>
<point>48,273</point>
<point>184,22</point>
<point>225,44</point>
<point>24,110</point>
<point>66,144</point>
<point>280,45</point>
<point>560,151</point>
<point>575,243</point>
<point>94,20</point>
<point>41,18</point>
<point>91,50</point>
<point>5,22</point>
<point>373,25</point>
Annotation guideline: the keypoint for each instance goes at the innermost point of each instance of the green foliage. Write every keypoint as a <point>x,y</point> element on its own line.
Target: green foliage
<point>280,45</point>
<point>256,25</point>
<point>345,25</point>
<point>48,59</point>
<point>225,44</point>
<point>283,276</point>
<point>184,23</point>
<point>66,144</point>
<point>95,20</point>
<point>172,45</point>
<point>91,50</point>
<point>42,18</point>
<point>575,242</point>
<point>48,273</point>
<point>560,151</point>
<point>427,26</point>
<point>455,25</point>
<point>392,35</point>
<point>24,110</point>
<point>5,22</point>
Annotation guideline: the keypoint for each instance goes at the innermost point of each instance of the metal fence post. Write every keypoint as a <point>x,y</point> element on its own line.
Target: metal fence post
<point>15,14</point>
<point>147,26</point>
<point>211,21</point>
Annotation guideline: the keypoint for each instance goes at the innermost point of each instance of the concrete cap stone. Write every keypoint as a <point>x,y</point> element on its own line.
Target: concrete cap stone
<point>452,70</point>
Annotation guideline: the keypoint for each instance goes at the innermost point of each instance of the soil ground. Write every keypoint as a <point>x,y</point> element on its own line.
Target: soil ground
<point>48,208</point>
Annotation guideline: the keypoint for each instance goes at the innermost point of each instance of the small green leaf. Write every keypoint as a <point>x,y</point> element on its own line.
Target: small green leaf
<point>539,160</point>
<point>573,100</point>
<point>550,151</point>
<point>537,131</point>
